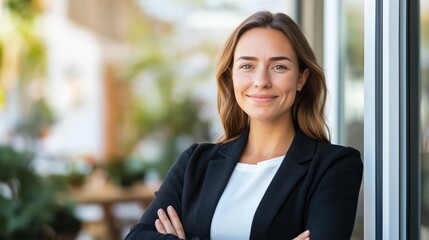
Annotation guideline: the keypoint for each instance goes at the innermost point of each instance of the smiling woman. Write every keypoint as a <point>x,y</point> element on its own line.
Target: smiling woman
<point>266,82</point>
<point>273,173</point>
<point>309,117</point>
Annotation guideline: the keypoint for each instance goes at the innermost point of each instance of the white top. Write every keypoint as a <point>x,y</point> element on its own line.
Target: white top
<point>234,213</point>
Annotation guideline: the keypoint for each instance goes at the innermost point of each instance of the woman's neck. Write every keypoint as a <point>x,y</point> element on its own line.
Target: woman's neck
<point>267,141</point>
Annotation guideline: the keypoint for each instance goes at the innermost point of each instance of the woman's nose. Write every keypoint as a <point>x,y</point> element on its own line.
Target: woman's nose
<point>262,79</point>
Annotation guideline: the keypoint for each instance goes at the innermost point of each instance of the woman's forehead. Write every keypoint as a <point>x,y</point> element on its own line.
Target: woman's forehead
<point>264,42</point>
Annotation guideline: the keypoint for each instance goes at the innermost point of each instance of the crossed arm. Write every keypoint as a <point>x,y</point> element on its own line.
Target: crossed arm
<point>169,223</point>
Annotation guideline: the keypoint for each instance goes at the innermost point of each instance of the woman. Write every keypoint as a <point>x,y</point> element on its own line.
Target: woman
<point>273,174</point>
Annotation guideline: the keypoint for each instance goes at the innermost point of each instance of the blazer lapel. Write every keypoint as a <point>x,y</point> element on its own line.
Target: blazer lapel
<point>290,172</point>
<point>217,176</point>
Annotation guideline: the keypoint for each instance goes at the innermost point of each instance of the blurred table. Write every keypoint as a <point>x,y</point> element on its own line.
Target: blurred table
<point>106,194</point>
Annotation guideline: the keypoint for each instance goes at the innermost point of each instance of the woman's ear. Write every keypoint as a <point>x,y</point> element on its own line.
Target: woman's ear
<point>302,79</point>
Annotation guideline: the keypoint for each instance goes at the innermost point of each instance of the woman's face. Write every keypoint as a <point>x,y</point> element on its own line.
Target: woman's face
<point>266,75</point>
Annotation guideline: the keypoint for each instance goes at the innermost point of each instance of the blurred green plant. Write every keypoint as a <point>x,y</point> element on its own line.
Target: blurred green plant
<point>28,201</point>
<point>28,204</point>
<point>20,42</point>
<point>126,171</point>
<point>23,67</point>
<point>25,9</point>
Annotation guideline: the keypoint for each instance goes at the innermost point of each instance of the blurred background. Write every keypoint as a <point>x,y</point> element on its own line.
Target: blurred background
<point>98,97</point>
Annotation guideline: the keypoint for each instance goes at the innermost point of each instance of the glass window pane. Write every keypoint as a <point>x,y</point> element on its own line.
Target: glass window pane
<point>352,87</point>
<point>424,115</point>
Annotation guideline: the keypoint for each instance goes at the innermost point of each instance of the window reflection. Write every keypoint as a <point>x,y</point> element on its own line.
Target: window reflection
<point>352,87</point>
<point>424,114</point>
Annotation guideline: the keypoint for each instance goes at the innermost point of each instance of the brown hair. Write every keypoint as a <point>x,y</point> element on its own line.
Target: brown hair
<point>309,105</point>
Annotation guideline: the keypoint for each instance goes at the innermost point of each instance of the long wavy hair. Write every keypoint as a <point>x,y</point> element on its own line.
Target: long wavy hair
<point>309,105</point>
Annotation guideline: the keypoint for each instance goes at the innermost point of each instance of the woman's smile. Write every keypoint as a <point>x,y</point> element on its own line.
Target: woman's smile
<point>261,98</point>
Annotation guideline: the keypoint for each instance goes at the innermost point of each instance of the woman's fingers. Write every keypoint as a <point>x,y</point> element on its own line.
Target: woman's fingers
<point>160,227</point>
<point>169,223</point>
<point>166,222</point>
<point>303,236</point>
<point>175,220</point>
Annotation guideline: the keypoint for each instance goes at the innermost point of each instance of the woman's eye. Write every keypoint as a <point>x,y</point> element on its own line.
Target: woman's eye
<point>246,66</point>
<point>279,67</point>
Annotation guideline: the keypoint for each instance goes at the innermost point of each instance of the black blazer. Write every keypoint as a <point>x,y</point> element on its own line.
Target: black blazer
<point>316,187</point>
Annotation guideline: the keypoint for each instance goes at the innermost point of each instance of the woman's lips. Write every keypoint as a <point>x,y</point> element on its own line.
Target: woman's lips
<point>261,97</point>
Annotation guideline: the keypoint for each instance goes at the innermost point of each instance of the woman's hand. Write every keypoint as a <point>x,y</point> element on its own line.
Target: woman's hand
<point>303,236</point>
<point>170,223</point>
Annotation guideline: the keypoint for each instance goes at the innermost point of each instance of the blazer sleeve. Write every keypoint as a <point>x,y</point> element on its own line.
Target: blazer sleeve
<point>170,193</point>
<point>332,207</point>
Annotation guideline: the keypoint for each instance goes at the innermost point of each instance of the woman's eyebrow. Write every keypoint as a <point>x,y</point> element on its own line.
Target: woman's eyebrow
<point>246,58</point>
<point>278,58</point>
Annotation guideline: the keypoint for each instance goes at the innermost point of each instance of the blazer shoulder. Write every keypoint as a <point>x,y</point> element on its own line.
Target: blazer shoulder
<point>333,148</point>
<point>198,151</point>
<point>336,152</point>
